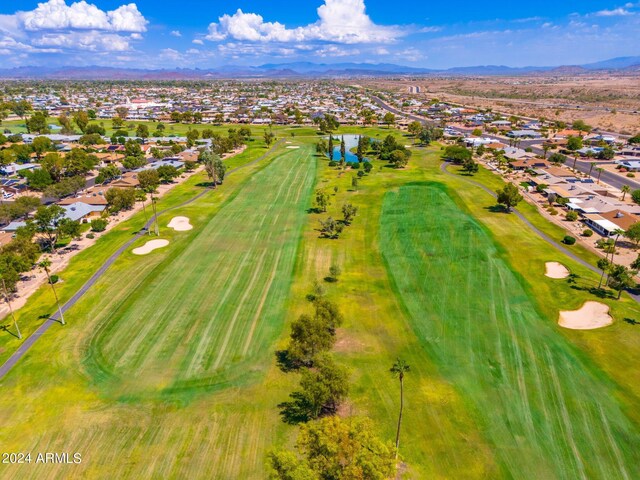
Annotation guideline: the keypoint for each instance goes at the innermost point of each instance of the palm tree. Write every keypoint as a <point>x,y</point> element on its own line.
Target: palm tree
<point>591,165</point>
<point>155,214</point>
<point>141,196</point>
<point>599,170</point>
<point>398,370</point>
<point>625,189</point>
<point>6,299</point>
<point>45,264</point>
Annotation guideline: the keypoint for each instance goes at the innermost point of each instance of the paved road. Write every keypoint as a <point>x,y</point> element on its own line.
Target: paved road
<point>33,338</point>
<point>536,230</point>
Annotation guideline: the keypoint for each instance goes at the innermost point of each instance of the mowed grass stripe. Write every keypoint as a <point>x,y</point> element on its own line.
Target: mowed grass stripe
<point>190,319</point>
<point>547,410</point>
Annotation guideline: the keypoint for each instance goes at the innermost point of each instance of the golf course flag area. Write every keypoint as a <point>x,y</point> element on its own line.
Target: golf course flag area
<point>543,406</point>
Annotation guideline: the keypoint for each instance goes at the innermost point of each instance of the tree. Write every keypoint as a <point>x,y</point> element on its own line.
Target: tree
<point>399,370</point>
<point>334,272</point>
<point>330,228</point>
<point>65,187</point>
<point>399,158</point>
<point>321,147</point>
<point>41,145</point>
<point>581,126</point>
<point>334,448</point>
<point>122,112</point>
<point>38,179</point>
<point>599,170</point>
<point>574,143</point>
<point>78,162</point>
<point>20,108</point>
<point>117,122</point>
<point>343,150</point>
<point>81,119</point>
<point>37,123</point>
<point>457,154</point>
<point>8,302</point>
<point>354,183</point>
<point>47,220</point>
<point>108,173</point>
<point>625,189</point>
<point>120,199</point>
<point>321,200</point>
<point>45,265</point>
<point>389,119</point>
<point>635,195</point>
<point>330,148</point>
<point>633,233</point>
<point>470,167</point>
<point>571,216</point>
<point>509,196</point>
<point>268,138</point>
<point>309,336</point>
<point>557,158</point>
<point>167,173</point>
<point>149,180</point>
<point>349,211</point>
<point>99,224</point>
<point>142,131</point>
<point>603,264</point>
<point>414,128</point>
<point>620,278</point>
<point>323,388</point>
<point>220,169</point>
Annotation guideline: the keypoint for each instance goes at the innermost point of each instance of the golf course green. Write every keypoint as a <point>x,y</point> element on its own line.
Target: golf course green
<point>542,405</point>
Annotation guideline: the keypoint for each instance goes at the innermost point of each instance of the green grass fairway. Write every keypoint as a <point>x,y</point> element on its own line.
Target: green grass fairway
<point>547,410</point>
<point>215,306</point>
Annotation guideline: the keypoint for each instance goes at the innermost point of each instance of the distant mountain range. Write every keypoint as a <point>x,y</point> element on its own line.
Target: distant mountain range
<point>630,65</point>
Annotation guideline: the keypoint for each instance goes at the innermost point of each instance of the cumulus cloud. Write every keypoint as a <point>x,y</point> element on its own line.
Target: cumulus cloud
<point>339,21</point>
<point>175,33</point>
<point>57,26</point>
<point>57,15</point>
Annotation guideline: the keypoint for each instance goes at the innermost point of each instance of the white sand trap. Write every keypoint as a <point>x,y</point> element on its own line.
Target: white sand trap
<point>294,146</point>
<point>150,246</point>
<point>180,224</point>
<point>556,270</point>
<point>592,315</point>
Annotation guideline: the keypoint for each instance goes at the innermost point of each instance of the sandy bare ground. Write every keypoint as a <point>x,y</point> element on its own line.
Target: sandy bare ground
<point>180,224</point>
<point>592,315</point>
<point>556,270</point>
<point>150,246</point>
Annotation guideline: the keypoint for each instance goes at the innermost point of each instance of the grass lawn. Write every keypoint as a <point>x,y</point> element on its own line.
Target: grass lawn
<point>546,410</point>
<point>158,373</point>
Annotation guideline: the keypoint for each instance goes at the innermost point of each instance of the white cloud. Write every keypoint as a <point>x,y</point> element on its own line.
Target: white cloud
<point>616,12</point>
<point>90,41</point>
<point>198,41</point>
<point>57,15</point>
<point>175,33</point>
<point>339,21</point>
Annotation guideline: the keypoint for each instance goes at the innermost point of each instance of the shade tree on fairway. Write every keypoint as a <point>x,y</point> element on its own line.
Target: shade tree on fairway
<point>349,211</point>
<point>321,200</point>
<point>509,196</point>
<point>334,448</point>
<point>331,228</point>
<point>213,166</point>
<point>457,154</point>
<point>323,387</point>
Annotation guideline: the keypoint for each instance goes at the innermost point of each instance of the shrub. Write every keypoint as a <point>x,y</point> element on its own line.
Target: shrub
<point>630,175</point>
<point>98,225</point>
<point>587,233</point>
<point>553,211</point>
<point>333,163</point>
<point>54,278</point>
<point>90,236</point>
<point>568,240</point>
<point>571,216</point>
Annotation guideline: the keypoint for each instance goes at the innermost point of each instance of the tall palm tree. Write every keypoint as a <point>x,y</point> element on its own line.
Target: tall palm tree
<point>591,165</point>
<point>6,299</point>
<point>625,189</point>
<point>155,214</point>
<point>45,264</point>
<point>398,370</point>
<point>599,170</point>
<point>141,196</point>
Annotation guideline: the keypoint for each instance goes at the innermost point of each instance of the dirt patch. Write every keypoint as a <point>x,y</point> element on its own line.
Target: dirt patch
<point>556,270</point>
<point>592,315</point>
<point>150,246</point>
<point>180,224</point>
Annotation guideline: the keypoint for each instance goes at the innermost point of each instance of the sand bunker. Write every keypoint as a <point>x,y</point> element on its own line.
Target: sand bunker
<point>556,270</point>
<point>180,224</point>
<point>150,246</point>
<point>294,146</point>
<point>592,315</point>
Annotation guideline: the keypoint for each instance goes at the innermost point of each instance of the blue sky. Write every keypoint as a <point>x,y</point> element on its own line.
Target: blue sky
<point>210,33</point>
